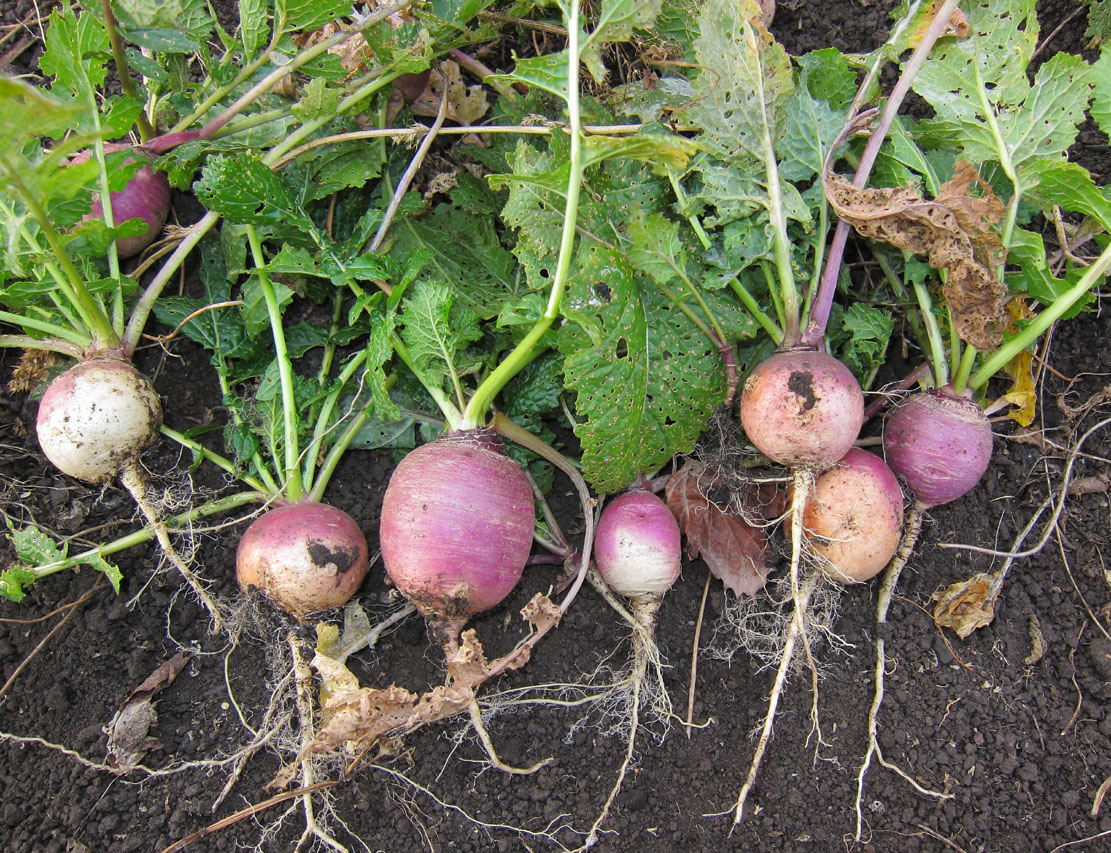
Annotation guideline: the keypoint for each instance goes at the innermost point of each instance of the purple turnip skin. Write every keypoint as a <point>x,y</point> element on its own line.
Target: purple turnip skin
<point>457,523</point>
<point>854,517</point>
<point>146,197</point>
<point>802,408</point>
<point>637,545</point>
<point>940,443</point>
<point>97,417</point>
<point>304,557</point>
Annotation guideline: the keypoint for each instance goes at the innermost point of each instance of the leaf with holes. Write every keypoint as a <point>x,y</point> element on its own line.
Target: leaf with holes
<point>646,378</point>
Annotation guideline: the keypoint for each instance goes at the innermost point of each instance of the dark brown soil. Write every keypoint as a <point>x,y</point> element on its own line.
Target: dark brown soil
<point>1020,741</point>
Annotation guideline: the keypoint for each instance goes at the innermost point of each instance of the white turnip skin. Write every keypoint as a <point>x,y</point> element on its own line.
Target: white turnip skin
<point>97,417</point>
<point>304,557</point>
<point>637,545</point>
<point>802,408</point>
<point>146,197</point>
<point>854,517</point>
<point>940,443</point>
<point>456,527</point>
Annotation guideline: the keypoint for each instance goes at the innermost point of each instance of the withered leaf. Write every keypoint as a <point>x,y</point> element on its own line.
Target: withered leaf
<point>966,605</point>
<point>129,728</point>
<point>955,233</point>
<point>734,549</point>
<point>465,104</point>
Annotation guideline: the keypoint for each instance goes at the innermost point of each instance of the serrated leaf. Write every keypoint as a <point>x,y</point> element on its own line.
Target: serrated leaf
<point>742,88</point>
<point>309,14</point>
<point>809,129</point>
<point>12,582</point>
<point>657,147</point>
<point>616,22</point>
<point>254,30</point>
<point>434,333</point>
<point>646,379</point>
<point>1099,19</point>
<point>535,203</point>
<point>109,570</point>
<point>76,52</point>
<point>30,112</point>
<point>547,72</point>
<point>826,75</point>
<point>34,547</point>
<point>1067,185</point>
<point>534,392</point>
<point>174,26</point>
<point>256,318</point>
<point>859,337</point>
<point>242,189</point>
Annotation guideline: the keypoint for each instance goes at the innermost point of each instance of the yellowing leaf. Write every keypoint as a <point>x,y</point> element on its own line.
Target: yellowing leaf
<point>1022,394</point>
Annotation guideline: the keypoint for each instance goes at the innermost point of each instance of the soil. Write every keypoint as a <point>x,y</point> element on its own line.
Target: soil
<point>1014,723</point>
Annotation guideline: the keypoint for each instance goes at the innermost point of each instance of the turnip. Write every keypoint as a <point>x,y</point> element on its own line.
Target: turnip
<point>854,517</point>
<point>146,196</point>
<point>456,527</point>
<point>637,549</point>
<point>304,556</point>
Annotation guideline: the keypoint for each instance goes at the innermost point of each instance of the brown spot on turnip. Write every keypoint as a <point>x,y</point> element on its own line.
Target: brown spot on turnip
<point>801,384</point>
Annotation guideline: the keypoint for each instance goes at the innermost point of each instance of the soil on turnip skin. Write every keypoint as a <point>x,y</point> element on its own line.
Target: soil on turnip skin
<point>1014,722</point>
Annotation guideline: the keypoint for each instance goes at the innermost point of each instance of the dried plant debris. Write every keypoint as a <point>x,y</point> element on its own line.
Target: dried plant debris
<point>129,731</point>
<point>953,230</point>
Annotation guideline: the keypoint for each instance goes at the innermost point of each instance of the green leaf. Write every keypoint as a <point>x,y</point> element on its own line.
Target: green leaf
<point>656,146</point>
<point>34,547</point>
<point>859,337</point>
<point>809,128</point>
<point>645,377</point>
<point>310,14</point>
<point>254,30</point>
<point>379,352</point>
<point>743,87</point>
<point>255,315</point>
<point>171,26</point>
<point>109,570</point>
<point>242,189</point>
<point>76,53</point>
<point>12,582</point>
<point>826,75</point>
<point>435,332</point>
<point>1068,185</point>
<point>616,22</point>
<point>1099,19</point>
<point>29,113</point>
<point>547,72</point>
<point>1101,86</point>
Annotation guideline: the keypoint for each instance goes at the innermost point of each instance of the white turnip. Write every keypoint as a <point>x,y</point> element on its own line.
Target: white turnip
<point>638,551</point>
<point>854,517</point>
<point>456,527</point>
<point>97,417</point>
<point>303,556</point>
<point>146,197</point>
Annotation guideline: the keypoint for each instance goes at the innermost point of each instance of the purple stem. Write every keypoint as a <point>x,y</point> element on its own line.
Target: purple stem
<point>818,318</point>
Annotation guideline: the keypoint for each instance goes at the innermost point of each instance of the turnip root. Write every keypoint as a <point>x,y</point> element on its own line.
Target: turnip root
<point>303,556</point>
<point>146,197</point>
<point>637,549</point>
<point>854,517</point>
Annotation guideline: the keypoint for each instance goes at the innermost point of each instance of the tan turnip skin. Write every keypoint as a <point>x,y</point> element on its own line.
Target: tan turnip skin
<point>802,408</point>
<point>97,417</point>
<point>854,517</point>
<point>304,557</point>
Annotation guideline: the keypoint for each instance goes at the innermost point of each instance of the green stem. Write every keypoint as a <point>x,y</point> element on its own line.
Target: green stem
<point>147,533</point>
<point>104,336</point>
<point>215,458</point>
<point>750,303</point>
<point>773,291</point>
<point>336,451</point>
<point>1061,306</point>
<point>293,488</point>
<point>127,84</point>
<point>960,377</point>
<point>108,216</point>
<point>219,93</point>
<point>145,304</point>
<point>452,415</point>
<point>933,334</point>
<point>521,354</point>
<point>695,223</point>
<point>68,335</point>
<point>324,417</point>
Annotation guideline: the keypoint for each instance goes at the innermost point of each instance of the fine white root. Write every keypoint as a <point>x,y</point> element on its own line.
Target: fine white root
<point>801,592</point>
<point>135,481</point>
<point>646,665</point>
<point>883,604</point>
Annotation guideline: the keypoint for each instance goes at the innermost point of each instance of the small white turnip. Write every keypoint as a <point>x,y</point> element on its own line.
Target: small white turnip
<point>97,417</point>
<point>637,545</point>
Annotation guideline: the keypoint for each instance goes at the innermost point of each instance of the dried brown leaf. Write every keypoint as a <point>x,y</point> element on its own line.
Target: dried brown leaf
<point>953,230</point>
<point>466,105</point>
<point>734,549</point>
<point>966,605</point>
<point>128,731</point>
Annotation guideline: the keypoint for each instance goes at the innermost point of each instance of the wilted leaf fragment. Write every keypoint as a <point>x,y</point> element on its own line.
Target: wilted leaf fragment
<point>734,549</point>
<point>966,605</point>
<point>128,732</point>
<point>953,230</point>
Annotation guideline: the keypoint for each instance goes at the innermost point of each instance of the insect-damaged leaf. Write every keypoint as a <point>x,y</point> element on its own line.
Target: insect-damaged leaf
<point>735,549</point>
<point>953,231</point>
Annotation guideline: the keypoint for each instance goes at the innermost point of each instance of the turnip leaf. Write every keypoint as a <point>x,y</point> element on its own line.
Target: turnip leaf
<point>242,189</point>
<point>616,22</point>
